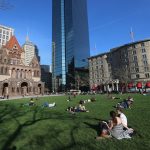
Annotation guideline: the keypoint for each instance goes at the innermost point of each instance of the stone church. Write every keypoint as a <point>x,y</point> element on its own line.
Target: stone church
<point>16,78</point>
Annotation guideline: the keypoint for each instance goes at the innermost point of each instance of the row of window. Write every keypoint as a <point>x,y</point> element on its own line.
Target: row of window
<point>147,75</point>
<point>143,50</point>
<point>4,32</point>
<point>137,45</point>
<point>3,70</point>
<point>4,37</point>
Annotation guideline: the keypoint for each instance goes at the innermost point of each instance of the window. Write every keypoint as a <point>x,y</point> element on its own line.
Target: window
<point>147,75</point>
<point>137,69</point>
<point>134,58</point>
<point>144,56</point>
<point>142,44</point>
<point>7,38</point>
<point>145,62</point>
<point>133,46</point>
<point>143,50</point>
<point>134,52</point>
<point>146,68</point>
<point>137,76</point>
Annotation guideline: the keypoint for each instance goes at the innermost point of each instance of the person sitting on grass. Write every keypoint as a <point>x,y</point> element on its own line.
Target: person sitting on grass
<point>81,108</point>
<point>116,127</point>
<point>122,116</point>
<point>71,110</point>
<point>31,103</point>
<point>103,130</point>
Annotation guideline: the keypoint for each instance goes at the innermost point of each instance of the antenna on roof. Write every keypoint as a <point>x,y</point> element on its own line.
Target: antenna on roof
<point>95,49</point>
<point>27,36</point>
<point>132,34</point>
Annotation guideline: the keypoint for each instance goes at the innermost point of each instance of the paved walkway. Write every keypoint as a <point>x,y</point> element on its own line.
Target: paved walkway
<point>20,97</point>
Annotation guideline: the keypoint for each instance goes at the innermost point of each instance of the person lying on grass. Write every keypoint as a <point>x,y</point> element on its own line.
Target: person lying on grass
<point>30,103</point>
<point>87,101</point>
<point>46,104</point>
<point>125,103</point>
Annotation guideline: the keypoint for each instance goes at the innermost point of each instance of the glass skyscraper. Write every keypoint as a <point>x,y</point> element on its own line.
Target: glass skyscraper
<point>70,42</point>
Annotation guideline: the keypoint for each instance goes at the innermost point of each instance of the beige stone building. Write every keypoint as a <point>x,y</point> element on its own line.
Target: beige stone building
<point>15,77</point>
<point>5,34</point>
<point>129,63</point>
<point>100,71</point>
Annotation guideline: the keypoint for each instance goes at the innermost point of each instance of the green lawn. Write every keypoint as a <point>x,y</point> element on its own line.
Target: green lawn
<point>37,128</point>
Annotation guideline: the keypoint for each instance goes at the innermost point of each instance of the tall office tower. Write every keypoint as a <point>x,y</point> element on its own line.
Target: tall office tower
<point>29,49</point>
<point>5,34</point>
<point>37,53</point>
<point>70,42</point>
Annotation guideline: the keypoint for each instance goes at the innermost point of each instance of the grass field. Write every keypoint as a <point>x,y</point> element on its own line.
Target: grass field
<point>37,128</point>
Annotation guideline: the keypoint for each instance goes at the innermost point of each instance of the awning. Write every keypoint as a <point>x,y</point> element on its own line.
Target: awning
<point>147,84</point>
<point>94,87</point>
<point>130,85</point>
<point>139,85</point>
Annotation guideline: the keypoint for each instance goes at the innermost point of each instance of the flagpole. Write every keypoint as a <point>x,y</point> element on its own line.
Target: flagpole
<point>132,34</point>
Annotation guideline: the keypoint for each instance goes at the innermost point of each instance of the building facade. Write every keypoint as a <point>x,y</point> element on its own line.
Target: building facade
<point>70,42</point>
<point>17,78</point>
<point>5,34</point>
<point>29,50</point>
<point>100,72</point>
<point>46,77</point>
<point>129,63</point>
<point>133,61</point>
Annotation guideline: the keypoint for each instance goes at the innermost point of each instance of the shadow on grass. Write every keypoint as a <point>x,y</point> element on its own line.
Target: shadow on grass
<point>37,114</point>
<point>11,112</point>
<point>93,126</point>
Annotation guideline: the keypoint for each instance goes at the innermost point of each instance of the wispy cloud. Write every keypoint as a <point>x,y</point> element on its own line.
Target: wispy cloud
<point>114,21</point>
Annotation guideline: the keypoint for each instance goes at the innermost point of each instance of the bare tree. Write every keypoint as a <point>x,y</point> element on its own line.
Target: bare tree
<point>4,5</point>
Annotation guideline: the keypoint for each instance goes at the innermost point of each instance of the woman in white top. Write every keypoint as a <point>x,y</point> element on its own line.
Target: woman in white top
<point>122,117</point>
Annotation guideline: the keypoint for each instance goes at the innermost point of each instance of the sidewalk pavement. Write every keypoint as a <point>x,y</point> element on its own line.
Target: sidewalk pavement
<point>35,96</point>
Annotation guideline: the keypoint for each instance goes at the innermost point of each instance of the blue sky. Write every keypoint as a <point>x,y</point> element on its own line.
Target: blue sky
<point>109,23</point>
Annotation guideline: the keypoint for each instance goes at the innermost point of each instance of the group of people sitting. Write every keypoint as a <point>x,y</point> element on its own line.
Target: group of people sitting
<point>126,103</point>
<point>117,127</point>
<point>79,108</point>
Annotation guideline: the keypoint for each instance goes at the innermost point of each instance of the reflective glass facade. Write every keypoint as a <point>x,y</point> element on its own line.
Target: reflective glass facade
<point>70,41</point>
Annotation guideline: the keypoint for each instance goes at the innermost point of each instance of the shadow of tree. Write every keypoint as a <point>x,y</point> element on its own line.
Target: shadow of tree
<point>93,126</point>
<point>37,115</point>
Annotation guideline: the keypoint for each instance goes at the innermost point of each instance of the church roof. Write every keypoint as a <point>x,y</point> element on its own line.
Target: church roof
<point>11,43</point>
